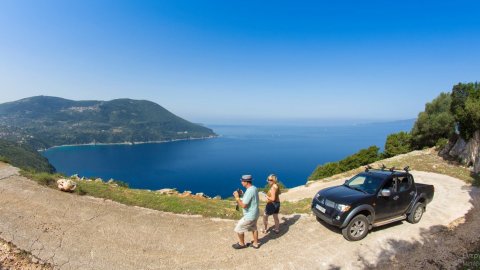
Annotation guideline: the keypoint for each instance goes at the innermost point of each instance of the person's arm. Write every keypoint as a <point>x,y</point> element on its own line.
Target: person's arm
<point>247,197</point>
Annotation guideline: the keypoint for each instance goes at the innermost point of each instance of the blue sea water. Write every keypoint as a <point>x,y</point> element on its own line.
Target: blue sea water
<point>214,166</point>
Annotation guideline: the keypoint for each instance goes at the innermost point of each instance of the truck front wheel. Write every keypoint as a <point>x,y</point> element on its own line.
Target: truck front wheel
<point>356,229</point>
<point>416,214</point>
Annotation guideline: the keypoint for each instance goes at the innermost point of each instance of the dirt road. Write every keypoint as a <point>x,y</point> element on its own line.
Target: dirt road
<point>80,232</point>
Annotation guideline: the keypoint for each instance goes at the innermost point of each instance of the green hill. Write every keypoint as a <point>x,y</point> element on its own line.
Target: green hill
<point>24,157</point>
<point>44,122</point>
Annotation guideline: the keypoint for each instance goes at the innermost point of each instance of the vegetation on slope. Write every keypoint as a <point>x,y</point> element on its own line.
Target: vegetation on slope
<point>24,157</point>
<point>434,127</point>
<point>44,122</point>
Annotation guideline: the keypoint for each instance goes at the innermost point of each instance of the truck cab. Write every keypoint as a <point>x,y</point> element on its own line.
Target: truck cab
<point>370,199</point>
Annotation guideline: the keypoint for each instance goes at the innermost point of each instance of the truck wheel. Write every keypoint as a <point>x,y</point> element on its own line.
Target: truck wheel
<point>356,229</point>
<point>416,214</point>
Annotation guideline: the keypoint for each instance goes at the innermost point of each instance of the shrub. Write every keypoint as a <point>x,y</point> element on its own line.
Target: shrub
<point>398,143</point>
<point>4,159</point>
<point>441,143</point>
<point>43,178</point>
<point>362,157</point>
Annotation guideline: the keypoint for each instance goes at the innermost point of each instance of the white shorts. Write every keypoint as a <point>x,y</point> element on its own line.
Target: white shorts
<point>246,225</point>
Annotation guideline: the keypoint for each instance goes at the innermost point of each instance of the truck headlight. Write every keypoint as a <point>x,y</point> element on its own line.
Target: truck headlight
<point>342,207</point>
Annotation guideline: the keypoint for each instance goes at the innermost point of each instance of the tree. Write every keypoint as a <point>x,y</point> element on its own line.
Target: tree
<point>465,108</point>
<point>434,123</point>
<point>398,143</point>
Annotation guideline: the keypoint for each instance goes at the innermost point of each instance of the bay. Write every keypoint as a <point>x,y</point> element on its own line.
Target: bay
<point>214,166</point>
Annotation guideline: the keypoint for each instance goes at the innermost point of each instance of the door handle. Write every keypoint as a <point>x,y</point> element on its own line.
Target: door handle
<point>396,197</point>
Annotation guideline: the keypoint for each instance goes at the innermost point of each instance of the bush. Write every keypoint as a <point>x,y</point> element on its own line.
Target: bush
<point>4,159</point>
<point>43,178</point>
<point>398,143</point>
<point>441,143</point>
<point>362,157</point>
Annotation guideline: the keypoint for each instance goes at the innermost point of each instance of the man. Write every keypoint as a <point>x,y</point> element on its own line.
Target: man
<point>249,204</point>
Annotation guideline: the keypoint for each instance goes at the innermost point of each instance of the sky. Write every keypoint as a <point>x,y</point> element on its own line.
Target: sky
<point>243,61</point>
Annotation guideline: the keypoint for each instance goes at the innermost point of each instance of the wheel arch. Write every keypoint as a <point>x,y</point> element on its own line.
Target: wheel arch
<point>364,209</point>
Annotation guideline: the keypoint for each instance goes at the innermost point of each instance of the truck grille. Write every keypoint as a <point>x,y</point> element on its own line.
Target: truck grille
<point>329,203</point>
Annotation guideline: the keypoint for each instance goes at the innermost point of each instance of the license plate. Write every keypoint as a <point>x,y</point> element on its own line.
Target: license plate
<point>321,209</point>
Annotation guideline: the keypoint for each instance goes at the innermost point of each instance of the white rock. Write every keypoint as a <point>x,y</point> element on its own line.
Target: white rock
<point>66,185</point>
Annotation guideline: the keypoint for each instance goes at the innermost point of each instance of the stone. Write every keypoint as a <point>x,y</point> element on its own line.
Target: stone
<point>468,152</point>
<point>167,191</point>
<point>458,148</point>
<point>98,180</point>
<point>66,185</point>
<point>218,197</point>
<point>201,195</point>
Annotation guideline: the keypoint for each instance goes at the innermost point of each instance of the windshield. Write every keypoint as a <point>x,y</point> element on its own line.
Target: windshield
<point>364,183</point>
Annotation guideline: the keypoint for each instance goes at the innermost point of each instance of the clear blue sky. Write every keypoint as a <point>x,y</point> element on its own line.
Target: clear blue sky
<point>234,61</point>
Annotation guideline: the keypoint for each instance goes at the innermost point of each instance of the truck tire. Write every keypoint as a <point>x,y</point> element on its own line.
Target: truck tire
<point>416,214</point>
<point>357,228</point>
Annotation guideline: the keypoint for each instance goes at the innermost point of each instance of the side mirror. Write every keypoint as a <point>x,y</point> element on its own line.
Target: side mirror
<point>386,192</point>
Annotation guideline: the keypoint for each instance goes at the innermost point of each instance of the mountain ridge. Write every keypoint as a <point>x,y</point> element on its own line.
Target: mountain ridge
<point>46,121</point>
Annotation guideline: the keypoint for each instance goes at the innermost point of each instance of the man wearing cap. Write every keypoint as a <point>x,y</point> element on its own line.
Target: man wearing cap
<point>249,204</point>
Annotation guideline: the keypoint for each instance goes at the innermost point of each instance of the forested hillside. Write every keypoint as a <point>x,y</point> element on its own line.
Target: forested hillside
<point>24,157</point>
<point>43,122</point>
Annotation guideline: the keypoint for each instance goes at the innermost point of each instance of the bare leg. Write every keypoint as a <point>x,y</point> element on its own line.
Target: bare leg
<point>255,238</point>
<point>265,223</point>
<point>241,238</point>
<point>277,223</point>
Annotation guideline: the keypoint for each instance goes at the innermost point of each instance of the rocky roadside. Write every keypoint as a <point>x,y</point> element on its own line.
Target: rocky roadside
<point>12,258</point>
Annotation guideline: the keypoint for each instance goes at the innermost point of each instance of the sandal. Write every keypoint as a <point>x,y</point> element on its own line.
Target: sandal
<point>238,246</point>
<point>263,231</point>
<point>255,247</point>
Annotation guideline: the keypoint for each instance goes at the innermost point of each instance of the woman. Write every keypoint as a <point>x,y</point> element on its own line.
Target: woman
<point>273,203</point>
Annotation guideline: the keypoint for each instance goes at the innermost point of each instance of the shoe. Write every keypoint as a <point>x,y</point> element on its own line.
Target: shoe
<point>238,246</point>
<point>255,247</point>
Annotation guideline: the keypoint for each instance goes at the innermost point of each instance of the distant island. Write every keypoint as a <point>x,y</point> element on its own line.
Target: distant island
<point>42,122</point>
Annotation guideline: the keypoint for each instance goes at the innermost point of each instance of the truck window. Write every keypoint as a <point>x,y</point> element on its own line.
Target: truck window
<point>404,183</point>
<point>391,184</point>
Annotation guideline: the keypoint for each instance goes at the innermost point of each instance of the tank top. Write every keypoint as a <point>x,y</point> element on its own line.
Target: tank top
<point>277,194</point>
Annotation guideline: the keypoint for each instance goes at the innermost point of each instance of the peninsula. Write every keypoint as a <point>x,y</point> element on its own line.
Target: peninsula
<point>43,122</point>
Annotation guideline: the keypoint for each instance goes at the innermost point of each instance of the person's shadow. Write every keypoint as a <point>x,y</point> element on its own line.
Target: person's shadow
<point>284,227</point>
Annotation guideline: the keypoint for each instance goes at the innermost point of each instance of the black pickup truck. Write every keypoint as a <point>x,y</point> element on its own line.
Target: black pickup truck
<point>370,199</point>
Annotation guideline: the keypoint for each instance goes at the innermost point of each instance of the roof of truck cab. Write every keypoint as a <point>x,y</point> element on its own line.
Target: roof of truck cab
<point>385,173</point>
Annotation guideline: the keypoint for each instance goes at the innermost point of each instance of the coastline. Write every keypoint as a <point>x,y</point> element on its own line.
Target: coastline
<point>129,143</point>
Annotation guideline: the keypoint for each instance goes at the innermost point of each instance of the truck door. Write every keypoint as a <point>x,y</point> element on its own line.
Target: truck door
<point>406,193</point>
<point>386,207</point>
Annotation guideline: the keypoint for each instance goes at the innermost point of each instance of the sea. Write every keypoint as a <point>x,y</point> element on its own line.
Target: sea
<point>214,166</point>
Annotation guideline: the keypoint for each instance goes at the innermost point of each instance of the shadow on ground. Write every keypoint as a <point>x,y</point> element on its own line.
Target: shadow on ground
<point>440,247</point>
<point>285,224</point>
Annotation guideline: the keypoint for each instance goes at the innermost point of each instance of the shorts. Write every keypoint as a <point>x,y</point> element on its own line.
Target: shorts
<point>272,208</point>
<point>244,225</point>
